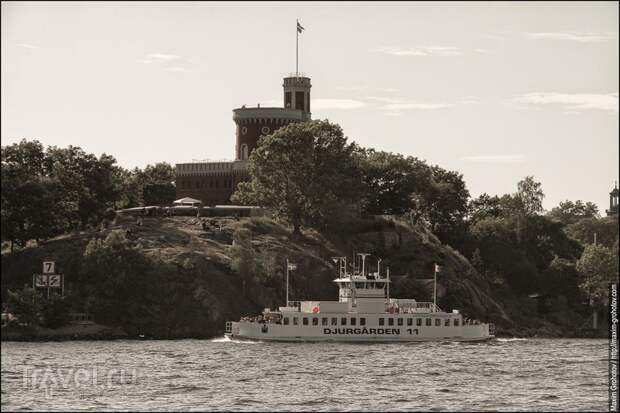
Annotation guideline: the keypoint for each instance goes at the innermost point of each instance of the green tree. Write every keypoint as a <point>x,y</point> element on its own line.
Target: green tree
<point>120,280</point>
<point>399,185</point>
<point>446,205</point>
<point>530,196</point>
<point>569,212</point>
<point>606,230</point>
<point>561,278</point>
<point>484,206</point>
<point>598,267</point>
<point>159,193</point>
<point>390,180</point>
<point>305,172</point>
<point>155,184</point>
<point>49,192</point>
<point>26,304</point>
<point>87,183</point>
<point>31,203</point>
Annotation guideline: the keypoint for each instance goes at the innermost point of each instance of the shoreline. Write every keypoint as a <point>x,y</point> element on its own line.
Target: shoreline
<point>97,332</point>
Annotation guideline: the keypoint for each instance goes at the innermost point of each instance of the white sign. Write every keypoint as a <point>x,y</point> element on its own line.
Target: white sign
<point>49,267</point>
<point>55,281</point>
<point>40,280</point>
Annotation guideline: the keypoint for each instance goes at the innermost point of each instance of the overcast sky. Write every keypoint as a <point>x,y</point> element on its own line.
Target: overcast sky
<point>496,91</point>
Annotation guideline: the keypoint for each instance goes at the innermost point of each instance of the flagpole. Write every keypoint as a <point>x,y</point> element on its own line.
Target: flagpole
<point>297,49</point>
<point>287,282</point>
<point>435,289</point>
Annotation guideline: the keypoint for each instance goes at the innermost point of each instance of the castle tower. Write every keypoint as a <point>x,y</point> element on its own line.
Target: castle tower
<point>297,94</point>
<point>252,123</point>
<point>613,201</point>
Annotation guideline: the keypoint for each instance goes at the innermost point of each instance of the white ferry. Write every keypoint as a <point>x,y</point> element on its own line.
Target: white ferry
<point>364,313</point>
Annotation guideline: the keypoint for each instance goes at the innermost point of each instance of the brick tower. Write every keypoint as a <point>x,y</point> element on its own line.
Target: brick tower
<point>252,123</point>
<point>214,182</point>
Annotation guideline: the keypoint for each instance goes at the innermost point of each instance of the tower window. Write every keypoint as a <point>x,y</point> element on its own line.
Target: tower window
<point>299,100</point>
<point>288,98</point>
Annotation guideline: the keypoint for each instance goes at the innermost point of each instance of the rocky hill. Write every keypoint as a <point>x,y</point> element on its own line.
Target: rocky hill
<point>205,291</point>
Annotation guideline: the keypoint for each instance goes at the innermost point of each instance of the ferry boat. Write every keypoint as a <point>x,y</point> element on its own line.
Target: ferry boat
<point>364,313</point>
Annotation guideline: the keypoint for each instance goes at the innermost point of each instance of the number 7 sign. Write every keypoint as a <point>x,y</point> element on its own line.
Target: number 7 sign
<point>49,267</point>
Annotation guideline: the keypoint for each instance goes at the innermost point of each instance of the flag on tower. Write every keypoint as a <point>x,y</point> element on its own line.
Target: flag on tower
<point>300,28</point>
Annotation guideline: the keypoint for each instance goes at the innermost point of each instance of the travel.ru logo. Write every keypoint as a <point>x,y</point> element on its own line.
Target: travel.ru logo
<point>49,380</point>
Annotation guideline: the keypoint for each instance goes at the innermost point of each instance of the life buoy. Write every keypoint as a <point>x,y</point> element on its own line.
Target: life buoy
<point>315,310</point>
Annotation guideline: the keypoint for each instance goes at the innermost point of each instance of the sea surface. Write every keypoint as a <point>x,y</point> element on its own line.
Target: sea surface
<point>219,374</point>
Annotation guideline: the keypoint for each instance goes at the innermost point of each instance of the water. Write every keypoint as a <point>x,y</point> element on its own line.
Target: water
<point>505,374</point>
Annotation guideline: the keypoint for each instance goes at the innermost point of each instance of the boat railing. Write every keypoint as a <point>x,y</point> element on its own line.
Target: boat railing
<point>416,307</point>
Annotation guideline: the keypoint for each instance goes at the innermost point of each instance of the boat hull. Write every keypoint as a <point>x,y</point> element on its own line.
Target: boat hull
<point>276,332</point>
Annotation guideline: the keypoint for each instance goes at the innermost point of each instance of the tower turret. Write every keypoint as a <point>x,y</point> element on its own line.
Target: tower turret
<point>613,201</point>
<point>297,94</point>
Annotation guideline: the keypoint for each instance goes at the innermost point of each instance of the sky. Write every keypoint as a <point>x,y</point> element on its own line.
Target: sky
<point>496,91</point>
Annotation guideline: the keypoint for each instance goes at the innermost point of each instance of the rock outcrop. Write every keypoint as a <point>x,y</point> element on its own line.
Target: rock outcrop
<point>208,292</point>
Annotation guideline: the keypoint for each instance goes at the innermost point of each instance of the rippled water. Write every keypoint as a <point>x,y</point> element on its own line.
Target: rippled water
<point>504,374</point>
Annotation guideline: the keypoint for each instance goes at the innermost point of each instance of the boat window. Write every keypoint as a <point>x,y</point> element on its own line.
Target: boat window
<point>379,285</point>
<point>353,321</point>
<point>305,319</point>
<point>438,322</point>
<point>315,321</point>
<point>410,321</point>
<point>418,321</point>
<point>324,321</point>
<point>390,321</point>
<point>400,321</point>
<point>295,321</point>
<point>447,322</point>
<point>359,285</point>
<point>456,322</point>
<point>285,321</point>
<point>334,321</point>
<point>362,321</point>
<point>343,321</point>
<point>381,321</point>
<point>428,322</point>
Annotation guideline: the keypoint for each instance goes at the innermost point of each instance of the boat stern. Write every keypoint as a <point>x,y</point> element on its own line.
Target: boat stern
<point>232,329</point>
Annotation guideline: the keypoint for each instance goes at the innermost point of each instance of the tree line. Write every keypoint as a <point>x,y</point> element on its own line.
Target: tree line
<point>311,175</point>
<point>51,191</point>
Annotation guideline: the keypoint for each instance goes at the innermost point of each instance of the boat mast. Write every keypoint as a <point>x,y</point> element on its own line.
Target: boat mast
<point>388,285</point>
<point>363,255</point>
<point>287,282</point>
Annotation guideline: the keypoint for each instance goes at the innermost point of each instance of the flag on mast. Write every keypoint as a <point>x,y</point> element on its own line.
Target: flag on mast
<point>437,268</point>
<point>292,266</point>
<point>300,28</point>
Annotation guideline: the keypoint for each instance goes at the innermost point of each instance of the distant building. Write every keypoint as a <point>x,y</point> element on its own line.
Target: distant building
<point>613,201</point>
<point>214,182</point>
